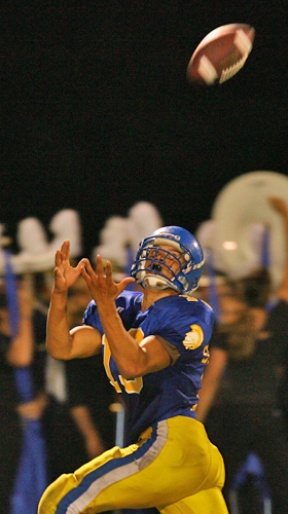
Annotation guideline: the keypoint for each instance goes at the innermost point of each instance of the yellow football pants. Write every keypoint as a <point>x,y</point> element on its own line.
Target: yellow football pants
<point>174,467</point>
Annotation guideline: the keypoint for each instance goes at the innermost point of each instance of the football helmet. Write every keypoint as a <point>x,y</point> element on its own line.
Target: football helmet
<point>170,257</point>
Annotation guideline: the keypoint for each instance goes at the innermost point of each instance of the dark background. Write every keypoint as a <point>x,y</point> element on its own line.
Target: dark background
<point>97,114</point>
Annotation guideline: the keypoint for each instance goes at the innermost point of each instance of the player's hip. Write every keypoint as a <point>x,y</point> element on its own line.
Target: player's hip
<point>176,450</point>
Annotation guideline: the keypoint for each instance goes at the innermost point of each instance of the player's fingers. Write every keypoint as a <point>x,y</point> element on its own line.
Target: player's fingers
<point>58,273</point>
<point>124,283</point>
<point>99,266</point>
<point>86,264</point>
<point>81,264</point>
<point>87,272</point>
<point>58,258</point>
<point>108,271</point>
<point>65,248</point>
<point>85,275</point>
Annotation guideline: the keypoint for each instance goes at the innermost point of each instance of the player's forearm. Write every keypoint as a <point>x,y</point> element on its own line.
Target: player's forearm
<point>211,382</point>
<point>58,339</point>
<point>206,400</point>
<point>283,289</point>
<point>83,420</point>
<point>21,350</point>
<point>129,356</point>
<point>285,226</point>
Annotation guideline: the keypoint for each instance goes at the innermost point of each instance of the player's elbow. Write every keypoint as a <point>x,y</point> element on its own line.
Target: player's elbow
<point>56,352</point>
<point>130,370</point>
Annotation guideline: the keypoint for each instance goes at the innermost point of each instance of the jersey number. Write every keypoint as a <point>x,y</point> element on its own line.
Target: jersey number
<point>131,385</point>
<point>206,354</point>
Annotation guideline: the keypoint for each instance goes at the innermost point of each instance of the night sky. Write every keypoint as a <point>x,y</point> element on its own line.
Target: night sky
<point>97,114</point>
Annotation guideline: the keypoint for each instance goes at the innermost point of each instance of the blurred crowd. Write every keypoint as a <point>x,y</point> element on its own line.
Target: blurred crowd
<point>70,401</point>
<point>74,412</point>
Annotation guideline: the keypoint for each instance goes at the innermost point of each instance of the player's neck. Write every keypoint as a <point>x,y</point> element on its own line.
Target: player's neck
<point>151,295</point>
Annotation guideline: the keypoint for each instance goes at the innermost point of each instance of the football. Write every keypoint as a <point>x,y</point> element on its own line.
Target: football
<point>221,54</point>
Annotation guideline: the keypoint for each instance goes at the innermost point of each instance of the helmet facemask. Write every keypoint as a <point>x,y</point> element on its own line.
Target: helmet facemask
<point>171,257</point>
<point>162,268</point>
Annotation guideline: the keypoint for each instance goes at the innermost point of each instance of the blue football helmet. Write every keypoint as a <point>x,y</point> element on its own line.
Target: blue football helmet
<point>179,267</point>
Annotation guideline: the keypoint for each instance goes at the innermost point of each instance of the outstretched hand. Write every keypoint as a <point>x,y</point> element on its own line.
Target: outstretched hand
<point>100,282</point>
<point>65,275</point>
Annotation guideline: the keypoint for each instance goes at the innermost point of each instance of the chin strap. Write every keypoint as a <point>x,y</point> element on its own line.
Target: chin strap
<point>158,283</point>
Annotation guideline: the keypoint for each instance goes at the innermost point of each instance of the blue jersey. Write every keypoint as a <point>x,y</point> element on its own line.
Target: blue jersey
<point>186,323</point>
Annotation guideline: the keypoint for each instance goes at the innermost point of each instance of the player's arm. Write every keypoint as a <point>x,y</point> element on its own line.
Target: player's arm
<point>62,343</point>
<point>87,428</point>
<point>133,360</point>
<point>211,381</point>
<point>281,206</point>
<point>21,349</point>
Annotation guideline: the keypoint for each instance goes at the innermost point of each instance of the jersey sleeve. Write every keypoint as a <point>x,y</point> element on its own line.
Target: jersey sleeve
<point>185,322</point>
<point>91,317</point>
<point>127,304</point>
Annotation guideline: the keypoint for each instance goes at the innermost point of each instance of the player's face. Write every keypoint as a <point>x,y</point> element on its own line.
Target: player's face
<point>165,260</point>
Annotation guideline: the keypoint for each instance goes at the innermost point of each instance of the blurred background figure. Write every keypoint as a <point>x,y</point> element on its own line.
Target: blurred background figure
<point>240,402</point>
<point>16,353</point>
<point>120,236</point>
<point>34,425</point>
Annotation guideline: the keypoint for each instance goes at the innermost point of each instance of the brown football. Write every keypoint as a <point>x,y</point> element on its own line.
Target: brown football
<point>221,54</point>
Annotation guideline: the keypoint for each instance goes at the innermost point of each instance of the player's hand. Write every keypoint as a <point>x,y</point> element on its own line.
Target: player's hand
<point>34,409</point>
<point>65,275</point>
<point>100,282</point>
